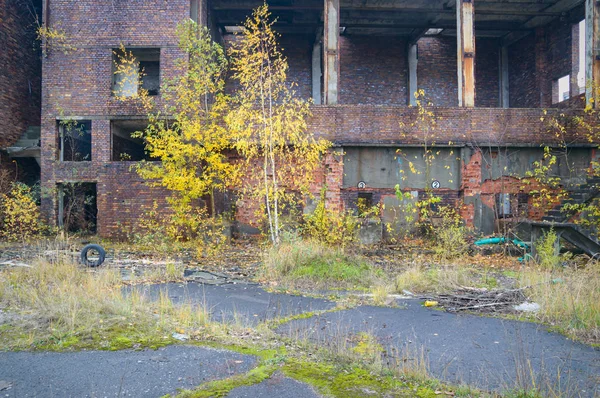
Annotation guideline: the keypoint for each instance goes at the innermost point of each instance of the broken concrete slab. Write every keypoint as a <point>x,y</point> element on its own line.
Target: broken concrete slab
<point>276,386</point>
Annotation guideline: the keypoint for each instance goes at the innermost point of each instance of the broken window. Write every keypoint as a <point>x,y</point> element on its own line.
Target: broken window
<point>364,203</point>
<point>561,89</point>
<point>126,144</point>
<point>77,209</point>
<point>75,140</point>
<point>134,69</point>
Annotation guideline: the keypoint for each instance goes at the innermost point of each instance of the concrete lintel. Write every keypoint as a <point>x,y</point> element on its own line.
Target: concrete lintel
<point>105,117</point>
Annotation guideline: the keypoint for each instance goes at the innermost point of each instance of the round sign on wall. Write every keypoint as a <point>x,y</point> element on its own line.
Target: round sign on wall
<point>362,184</point>
<point>435,184</point>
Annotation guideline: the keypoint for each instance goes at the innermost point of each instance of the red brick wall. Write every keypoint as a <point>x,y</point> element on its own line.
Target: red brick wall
<point>436,72</point>
<point>536,61</point>
<point>381,125</point>
<point>78,84</point>
<point>298,50</point>
<point>20,72</point>
<point>373,70</point>
<point>487,73</point>
<point>523,88</point>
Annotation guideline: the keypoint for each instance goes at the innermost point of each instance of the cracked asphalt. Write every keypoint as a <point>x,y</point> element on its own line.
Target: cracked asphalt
<point>127,373</point>
<point>490,353</point>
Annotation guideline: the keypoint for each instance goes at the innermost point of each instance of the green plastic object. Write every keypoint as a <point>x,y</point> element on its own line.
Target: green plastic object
<point>497,241</point>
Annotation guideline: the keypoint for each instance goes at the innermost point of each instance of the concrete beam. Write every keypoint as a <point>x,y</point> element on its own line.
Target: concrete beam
<point>331,39</point>
<point>416,35</point>
<point>504,78</point>
<point>317,73</point>
<point>412,73</point>
<point>465,40</point>
<point>592,52</point>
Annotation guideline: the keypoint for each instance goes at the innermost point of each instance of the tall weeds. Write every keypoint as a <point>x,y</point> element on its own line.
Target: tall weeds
<point>569,299</point>
<point>60,304</point>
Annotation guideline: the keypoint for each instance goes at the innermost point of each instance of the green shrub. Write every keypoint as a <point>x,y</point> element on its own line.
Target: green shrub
<point>330,227</point>
<point>450,234</point>
<point>547,253</point>
<point>19,214</point>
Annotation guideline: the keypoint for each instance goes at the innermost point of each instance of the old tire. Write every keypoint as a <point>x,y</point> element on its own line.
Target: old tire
<point>95,262</point>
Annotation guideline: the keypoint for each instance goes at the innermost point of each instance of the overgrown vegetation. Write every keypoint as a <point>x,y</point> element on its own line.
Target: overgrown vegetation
<point>57,305</point>
<point>569,299</point>
<point>310,263</point>
<point>269,123</point>
<point>19,214</point>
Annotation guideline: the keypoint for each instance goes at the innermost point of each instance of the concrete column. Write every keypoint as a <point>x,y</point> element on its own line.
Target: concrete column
<point>592,52</point>
<point>331,39</point>
<point>465,40</point>
<point>504,79</point>
<point>316,72</point>
<point>413,59</point>
<point>199,12</point>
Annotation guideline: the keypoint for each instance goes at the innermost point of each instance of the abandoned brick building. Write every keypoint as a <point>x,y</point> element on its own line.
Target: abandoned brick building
<point>20,90</point>
<point>491,67</point>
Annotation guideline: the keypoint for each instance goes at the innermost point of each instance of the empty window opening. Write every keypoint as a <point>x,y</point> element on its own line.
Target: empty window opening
<point>75,140</point>
<point>512,205</point>
<point>364,202</point>
<point>77,208</point>
<point>135,69</point>
<point>561,89</point>
<point>126,145</point>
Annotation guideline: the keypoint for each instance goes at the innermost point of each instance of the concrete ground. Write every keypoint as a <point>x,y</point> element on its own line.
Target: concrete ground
<point>146,373</point>
<point>277,386</point>
<point>245,303</point>
<point>488,352</point>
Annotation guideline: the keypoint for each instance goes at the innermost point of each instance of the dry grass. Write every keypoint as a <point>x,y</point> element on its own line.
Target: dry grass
<point>61,305</point>
<point>421,279</point>
<point>569,299</point>
<point>380,295</point>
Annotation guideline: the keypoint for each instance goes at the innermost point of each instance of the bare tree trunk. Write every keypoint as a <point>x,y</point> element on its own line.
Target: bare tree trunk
<point>265,154</point>
<point>272,157</point>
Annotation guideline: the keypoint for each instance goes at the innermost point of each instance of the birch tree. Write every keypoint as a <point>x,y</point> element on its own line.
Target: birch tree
<point>269,121</point>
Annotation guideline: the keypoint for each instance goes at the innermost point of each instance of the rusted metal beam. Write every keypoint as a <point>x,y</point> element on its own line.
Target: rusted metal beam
<point>465,52</point>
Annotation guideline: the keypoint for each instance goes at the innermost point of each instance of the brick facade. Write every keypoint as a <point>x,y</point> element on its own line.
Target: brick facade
<point>373,102</point>
<point>373,70</point>
<point>78,84</point>
<point>20,71</point>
